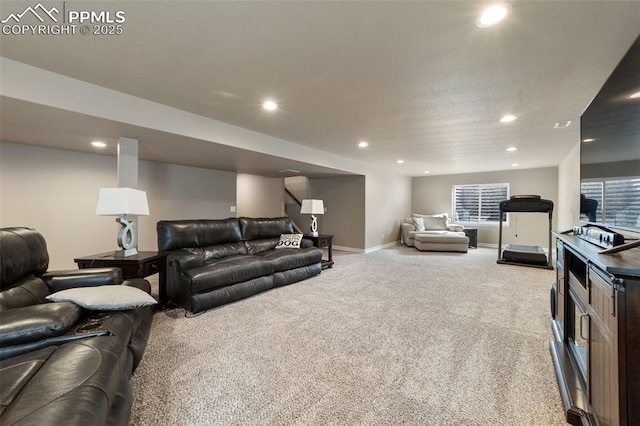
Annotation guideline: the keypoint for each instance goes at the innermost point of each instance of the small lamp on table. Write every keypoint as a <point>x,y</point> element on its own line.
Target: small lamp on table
<point>122,202</point>
<point>312,207</point>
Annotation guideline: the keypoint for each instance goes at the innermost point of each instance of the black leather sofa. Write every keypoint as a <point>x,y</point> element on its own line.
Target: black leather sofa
<point>61,364</point>
<point>213,262</point>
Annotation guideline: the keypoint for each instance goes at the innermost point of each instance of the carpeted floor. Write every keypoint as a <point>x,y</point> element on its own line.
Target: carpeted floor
<point>392,337</point>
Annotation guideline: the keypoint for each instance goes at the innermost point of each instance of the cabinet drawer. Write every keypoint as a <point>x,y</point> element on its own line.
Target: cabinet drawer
<point>149,268</point>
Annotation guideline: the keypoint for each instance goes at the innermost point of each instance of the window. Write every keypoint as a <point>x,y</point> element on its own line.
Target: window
<point>618,201</point>
<point>479,203</point>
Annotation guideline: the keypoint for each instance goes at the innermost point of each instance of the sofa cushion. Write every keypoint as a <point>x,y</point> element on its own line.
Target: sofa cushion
<point>289,241</point>
<point>418,223</point>
<point>291,259</point>
<point>258,246</point>
<point>441,237</point>
<point>219,251</point>
<point>177,234</point>
<point>37,322</point>
<point>434,222</point>
<point>227,271</point>
<point>105,297</point>
<point>17,371</point>
<point>261,228</point>
<point>74,386</point>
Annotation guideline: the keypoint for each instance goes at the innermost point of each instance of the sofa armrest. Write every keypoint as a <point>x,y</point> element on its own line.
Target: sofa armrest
<point>139,283</point>
<point>183,261</point>
<point>407,228</point>
<point>306,243</point>
<point>36,322</point>
<point>90,277</point>
<point>454,227</point>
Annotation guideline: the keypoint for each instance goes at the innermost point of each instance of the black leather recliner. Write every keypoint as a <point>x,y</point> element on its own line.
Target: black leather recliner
<point>61,364</point>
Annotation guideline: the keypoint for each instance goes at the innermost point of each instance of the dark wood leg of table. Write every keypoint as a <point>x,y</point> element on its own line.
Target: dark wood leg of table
<point>162,285</point>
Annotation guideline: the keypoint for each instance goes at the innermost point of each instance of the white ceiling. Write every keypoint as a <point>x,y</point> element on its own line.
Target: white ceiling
<point>418,80</point>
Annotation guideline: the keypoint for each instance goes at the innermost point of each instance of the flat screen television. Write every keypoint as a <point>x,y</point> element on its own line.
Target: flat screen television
<point>610,149</point>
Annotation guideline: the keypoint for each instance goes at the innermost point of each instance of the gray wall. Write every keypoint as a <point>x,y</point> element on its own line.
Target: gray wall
<point>344,200</point>
<point>55,191</point>
<point>259,196</point>
<point>388,201</point>
<point>432,195</point>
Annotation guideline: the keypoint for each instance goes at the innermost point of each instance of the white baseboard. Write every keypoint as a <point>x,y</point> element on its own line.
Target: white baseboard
<point>368,250</point>
<point>349,249</point>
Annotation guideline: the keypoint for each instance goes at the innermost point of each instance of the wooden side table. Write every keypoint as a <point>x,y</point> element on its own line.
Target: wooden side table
<point>321,241</point>
<point>472,233</point>
<point>139,265</point>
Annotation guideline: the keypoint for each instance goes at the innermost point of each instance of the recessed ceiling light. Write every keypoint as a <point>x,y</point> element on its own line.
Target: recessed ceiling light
<point>400,161</point>
<point>508,118</point>
<point>98,144</point>
<point>588,140</point>
<point>634,95</point>
<point>493,14</point>
<point>515,165</point>
<point>426,172</point>
<point>270,105</point>
<point>363,144</point>
<point>512,149</point>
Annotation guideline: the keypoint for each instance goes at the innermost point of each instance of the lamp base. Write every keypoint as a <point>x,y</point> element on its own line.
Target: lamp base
<point>121,254</point>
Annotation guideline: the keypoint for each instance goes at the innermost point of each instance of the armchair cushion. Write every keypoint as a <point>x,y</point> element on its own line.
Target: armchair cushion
<point>23,252</point>
<point>37,322</point>
<point>105,297</point>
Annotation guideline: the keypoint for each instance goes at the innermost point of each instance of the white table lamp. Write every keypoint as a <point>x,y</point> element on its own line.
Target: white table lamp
<point>122,202</point>
<point>312,207</point>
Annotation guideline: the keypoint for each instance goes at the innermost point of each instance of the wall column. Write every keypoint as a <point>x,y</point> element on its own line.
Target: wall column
<point>128,163</point>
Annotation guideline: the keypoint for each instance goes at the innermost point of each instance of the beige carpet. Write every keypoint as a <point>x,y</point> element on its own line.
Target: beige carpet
<point>392,337</point>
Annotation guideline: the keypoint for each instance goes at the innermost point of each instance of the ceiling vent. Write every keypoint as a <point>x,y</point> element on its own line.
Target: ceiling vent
<point>562,124</point>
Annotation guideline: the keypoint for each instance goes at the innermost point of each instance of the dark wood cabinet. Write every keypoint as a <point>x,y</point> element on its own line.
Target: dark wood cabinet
<point>140,265</point>
<point>472,234</point>
<point>595,304</point>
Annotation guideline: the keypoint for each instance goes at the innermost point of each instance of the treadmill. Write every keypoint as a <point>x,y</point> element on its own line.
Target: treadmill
<point>521,255</point>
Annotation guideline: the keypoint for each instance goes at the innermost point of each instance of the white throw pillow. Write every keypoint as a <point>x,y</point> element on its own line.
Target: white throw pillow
<point>104,297</point>
<point>291,241</point>
<point>418,223</point>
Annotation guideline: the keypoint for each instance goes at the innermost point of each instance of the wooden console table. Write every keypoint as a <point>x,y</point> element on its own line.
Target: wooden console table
<point>321,241</point>
<point>140,265</point>
<point>595,305</point>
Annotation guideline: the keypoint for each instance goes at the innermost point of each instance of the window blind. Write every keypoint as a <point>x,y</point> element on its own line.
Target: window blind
<point>479,203</point>
<point>618,200</point>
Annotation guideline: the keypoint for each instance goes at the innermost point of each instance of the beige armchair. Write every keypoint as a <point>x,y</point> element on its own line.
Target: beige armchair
<point>434,233</point>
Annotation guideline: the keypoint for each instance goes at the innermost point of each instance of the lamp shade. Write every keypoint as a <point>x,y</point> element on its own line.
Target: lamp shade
<point>312,207</point>
<point>121,201</point>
